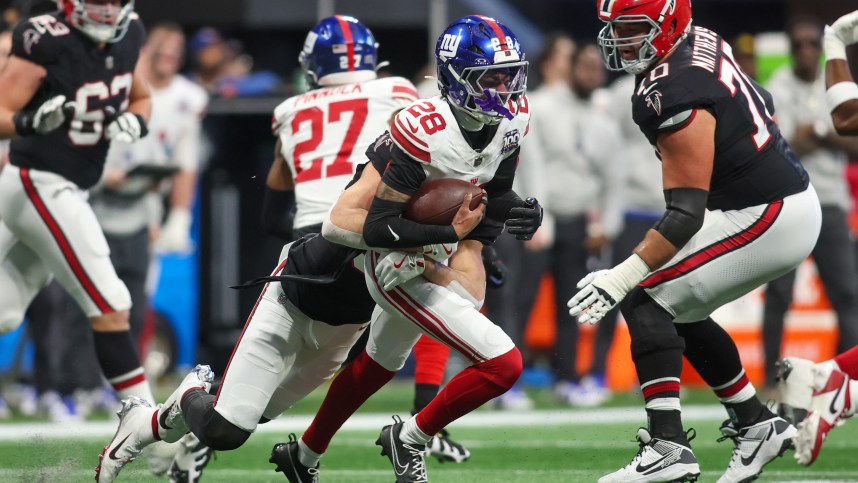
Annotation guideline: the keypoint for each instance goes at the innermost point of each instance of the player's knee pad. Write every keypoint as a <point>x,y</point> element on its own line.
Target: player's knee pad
<point>222,435</point>
<point>503,370</point>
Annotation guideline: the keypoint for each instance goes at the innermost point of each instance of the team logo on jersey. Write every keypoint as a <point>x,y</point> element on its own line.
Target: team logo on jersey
<point>31,38</point>
<point>108,62</point>
<point>449,46</point>
<point>653,100</point>
<point>510,141</point>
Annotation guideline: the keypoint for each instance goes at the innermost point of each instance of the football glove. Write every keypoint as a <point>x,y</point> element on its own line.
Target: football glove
<point>45,118</point>
<point>175,236</point>
<point>524,220</point>
<point>127,128</point>
<point>602,290</point>
<point>846,28</point>
<point>495,268</point>
<point>396,268</point>
<point>440,252</point>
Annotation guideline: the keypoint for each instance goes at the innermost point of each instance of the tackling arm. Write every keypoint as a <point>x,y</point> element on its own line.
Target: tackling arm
<point>19,82</point>
<point>465,270</point>
<point>841,90</point>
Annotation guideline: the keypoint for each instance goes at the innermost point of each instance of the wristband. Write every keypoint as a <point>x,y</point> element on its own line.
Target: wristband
<point>840,93</point>
<point>630,272</point>
<point>23,121</point>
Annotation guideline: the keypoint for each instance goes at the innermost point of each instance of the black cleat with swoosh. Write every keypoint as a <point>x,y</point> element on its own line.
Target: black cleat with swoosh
<point>755,446</point>
<point>285,456</point>
<point>406,458</point>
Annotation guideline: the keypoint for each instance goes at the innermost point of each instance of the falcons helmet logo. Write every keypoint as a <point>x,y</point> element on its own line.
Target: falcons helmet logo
<point>653,100</point>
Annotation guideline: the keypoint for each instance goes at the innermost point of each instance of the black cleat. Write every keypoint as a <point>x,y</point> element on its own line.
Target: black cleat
<point>406,458</point>
<point>285,456</point>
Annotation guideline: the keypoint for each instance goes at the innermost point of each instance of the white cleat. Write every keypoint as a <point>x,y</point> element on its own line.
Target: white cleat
<point>755,447</point>
<point>171,423</point>
<point>442,447</point>
<point>133,434</point>
<point>831,403</point>
<point>657,460</point>
<point>160,456</point>
<point>795,385</point>
<point>190,460</point>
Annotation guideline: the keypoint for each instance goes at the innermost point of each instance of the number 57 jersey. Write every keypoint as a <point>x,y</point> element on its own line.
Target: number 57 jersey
<point>97,79</point>
<point>325,132</point>
<point>753,163</point>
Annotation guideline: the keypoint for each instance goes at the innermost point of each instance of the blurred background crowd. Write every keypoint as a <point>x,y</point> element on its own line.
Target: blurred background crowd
<point>183,232</point>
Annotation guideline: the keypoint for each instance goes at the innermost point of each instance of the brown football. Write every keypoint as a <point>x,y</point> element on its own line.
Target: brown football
<point>437,202</point>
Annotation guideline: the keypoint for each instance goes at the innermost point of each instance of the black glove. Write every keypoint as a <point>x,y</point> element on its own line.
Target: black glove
<point>495,268</point>
<point>524,220</point>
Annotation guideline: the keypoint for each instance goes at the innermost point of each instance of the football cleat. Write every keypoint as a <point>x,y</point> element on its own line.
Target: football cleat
<point>755,446</point>
<point>830,404</point>
<point>795,384</point>
<point>160,456</point>
<point>406,458</point>
<point>133,434</point>
<point>657,460</point>
<point>285,456</point>
<point>171,423</point>
<point>191,458</point>
<point>442,447</point>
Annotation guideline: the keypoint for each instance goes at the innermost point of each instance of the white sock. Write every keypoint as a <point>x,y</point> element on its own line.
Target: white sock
<point>306,456</point>
<point>853,389</point>
<point>412,434</point>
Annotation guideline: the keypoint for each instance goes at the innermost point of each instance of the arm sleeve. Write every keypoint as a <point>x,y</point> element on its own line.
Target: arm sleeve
<point>385,227</point>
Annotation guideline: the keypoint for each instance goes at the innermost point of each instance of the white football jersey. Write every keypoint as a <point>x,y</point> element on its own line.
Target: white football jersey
<point>324,134</point>
<point>174,130</point>
<point>428,132</point>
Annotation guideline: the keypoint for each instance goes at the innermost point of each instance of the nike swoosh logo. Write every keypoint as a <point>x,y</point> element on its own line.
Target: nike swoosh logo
<point>642,468</point>
<point>399,265</point>
<point>112,454</point>
<point>649,88</point>
<point>831,408</point>
<point>448,251</point>
<point>395,236</point>
<point>747,461</point>
<point>396,465</point>
<point>411,126</point>
<point>164,414</point>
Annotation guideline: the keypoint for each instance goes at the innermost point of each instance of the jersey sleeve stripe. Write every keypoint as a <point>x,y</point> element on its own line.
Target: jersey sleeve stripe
<point>403,98</point>
<point>398,89</point>
<point>409,133</point>
<point>408,147</point>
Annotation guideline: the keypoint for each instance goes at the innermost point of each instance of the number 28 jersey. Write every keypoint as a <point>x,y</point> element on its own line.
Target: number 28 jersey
<point>97,80</point>
<point>324,134</point>
<point>753,163</point>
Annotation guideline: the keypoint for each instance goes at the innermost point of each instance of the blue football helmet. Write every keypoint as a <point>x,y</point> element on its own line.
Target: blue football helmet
<point>338,50</point>
<point>481,68</point>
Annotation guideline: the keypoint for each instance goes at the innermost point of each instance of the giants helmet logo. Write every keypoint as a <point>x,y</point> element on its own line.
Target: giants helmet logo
<point>449,46</point>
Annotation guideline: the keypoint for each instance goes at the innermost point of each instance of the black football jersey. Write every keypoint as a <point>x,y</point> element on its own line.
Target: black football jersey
<point>334,291</point>
<point>753,163</point>
<point>98,80</point>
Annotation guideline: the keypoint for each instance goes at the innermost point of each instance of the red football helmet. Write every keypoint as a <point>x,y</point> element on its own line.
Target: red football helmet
<point>100,20</point>
<point>669,21</point>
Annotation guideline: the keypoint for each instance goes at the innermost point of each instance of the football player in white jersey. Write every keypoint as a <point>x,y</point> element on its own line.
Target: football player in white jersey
<point>470,132</point>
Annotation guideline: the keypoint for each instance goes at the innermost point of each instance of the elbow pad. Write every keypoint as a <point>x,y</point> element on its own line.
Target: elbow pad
<point>277,213</point>
<point>683,216</point>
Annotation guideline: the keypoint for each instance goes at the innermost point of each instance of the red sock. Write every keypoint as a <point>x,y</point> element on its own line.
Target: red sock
<point>469,390</point>
<point>430,357</point>
<point>350,389</point>
<point>848,362</point>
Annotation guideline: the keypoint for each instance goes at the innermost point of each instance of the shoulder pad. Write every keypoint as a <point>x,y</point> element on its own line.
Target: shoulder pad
<point>414,126</point>
<point>37,39</point>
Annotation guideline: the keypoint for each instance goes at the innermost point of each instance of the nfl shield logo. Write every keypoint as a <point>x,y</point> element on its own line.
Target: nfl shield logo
<point>108,62</point>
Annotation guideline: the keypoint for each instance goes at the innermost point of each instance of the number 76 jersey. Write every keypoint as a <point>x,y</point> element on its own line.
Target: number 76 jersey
<point>753,163</point>
<point>324,134</point>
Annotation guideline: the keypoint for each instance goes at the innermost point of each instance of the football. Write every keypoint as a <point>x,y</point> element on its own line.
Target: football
<point>437,202</point>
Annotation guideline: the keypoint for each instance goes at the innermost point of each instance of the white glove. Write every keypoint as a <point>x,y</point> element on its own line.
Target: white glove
<point>175,235</point>
<point>602,290</point>
<point>440,252</point>
<point>47,117</point>
<point>396,268</point>
<point>846,28</point>
<point>127,128</point>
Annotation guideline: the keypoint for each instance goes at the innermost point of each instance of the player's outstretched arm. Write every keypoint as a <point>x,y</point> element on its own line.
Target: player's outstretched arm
<point>841,90</point>
<point>19,81</point>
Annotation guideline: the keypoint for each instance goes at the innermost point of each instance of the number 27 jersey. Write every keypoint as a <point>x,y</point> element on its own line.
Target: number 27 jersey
<point>325,132</point>
<point>753,163</point>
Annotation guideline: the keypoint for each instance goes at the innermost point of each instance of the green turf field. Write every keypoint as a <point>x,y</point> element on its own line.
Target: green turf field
<point>545,446</point>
